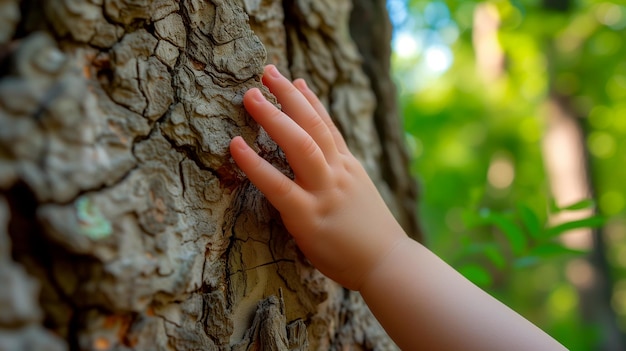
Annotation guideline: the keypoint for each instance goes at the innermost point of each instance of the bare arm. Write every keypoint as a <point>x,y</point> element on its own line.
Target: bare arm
<point>340,222</point>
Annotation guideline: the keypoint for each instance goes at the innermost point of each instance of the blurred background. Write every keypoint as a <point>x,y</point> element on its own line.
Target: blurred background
<point>515,115</point>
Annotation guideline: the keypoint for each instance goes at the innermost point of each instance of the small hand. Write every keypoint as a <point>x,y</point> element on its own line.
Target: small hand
<point>331,208</point>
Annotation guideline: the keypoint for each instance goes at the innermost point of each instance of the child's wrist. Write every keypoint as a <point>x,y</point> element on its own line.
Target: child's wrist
<point>386,263</point>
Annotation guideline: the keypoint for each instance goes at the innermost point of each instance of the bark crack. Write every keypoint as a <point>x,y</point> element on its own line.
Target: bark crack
<point>261,265</point>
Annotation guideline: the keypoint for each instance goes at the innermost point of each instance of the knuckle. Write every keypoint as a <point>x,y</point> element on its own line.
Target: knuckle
<point>316,122</point>
<point>292,92</point>
<point>275,113</point>
<point>284,186</point>
<point>309,148</point>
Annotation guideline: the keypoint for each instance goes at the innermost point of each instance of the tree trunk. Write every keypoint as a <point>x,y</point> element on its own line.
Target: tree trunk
<point>570,177</point>
<point>124,223</point>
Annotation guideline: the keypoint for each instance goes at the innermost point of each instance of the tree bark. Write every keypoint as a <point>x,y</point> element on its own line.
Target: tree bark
<point>124,223</point>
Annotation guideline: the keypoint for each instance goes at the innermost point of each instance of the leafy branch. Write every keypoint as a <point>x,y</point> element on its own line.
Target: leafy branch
<point>524,239</point>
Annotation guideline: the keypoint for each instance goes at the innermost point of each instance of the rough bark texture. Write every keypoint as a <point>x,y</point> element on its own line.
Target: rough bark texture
<point>124,223</point>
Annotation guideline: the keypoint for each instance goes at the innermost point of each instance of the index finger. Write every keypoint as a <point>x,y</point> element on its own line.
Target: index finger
<point>281,191</point>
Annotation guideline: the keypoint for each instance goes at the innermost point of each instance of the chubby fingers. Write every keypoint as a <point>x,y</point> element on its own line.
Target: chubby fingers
<point>301,85</point>
<point>303,153</point>
<point>299,108</point>
<point>281,191</point>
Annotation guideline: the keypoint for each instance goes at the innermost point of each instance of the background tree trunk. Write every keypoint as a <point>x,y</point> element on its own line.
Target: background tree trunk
<point>124,223</point>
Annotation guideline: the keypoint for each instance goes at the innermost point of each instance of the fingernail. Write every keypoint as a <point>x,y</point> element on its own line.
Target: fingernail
<point>273,71</point>
<point>256,94</point>
<point>302,84</point>
<point>239,143</point>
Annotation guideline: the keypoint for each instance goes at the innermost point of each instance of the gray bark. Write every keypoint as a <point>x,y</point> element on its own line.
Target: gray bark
<point>124,223</point>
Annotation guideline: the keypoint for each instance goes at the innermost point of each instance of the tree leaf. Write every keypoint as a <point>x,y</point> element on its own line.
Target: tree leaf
<point>530,220</point>
<point>578,205</point>
<point>513,233</point>
<point>552,206</point>
<point>471,219</point>
<point>554,249</point>
<point>490,250</point>
<point>544,252</point>
<point>476,274</point>
<point>589,222</point>
<point>494,254</point>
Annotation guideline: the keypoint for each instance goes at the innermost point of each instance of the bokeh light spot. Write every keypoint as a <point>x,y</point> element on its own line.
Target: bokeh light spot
<point>600,117</point>
<point>562,300</point>
<point>601,144</point>
<point>580,273</point>
<point>437,14</point>
<point>619,297</point>
<point>454,154</point>
<point>501,172</point>
<point>438,58</point>
<point>611,15</point>
<point>616,87</point>
<point>611,202</point>
<point>397,11</point>
<point>464,14</point>
<point>619,109</point>
<point>606,43</point>
<point>449,34</point>
<point>405,45</point>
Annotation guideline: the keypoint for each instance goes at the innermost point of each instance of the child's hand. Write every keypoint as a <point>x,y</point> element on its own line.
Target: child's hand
<point>332,208</point>
<point>343,226</point>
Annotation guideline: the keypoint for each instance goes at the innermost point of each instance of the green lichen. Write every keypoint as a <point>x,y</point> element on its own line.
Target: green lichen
<point>91,221</point>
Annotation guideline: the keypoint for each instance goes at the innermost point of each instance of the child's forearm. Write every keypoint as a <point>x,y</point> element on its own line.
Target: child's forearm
<point>425,304</point>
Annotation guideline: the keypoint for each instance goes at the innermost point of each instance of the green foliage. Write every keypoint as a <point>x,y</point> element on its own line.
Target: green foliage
<point>526,241</point>
<point>467,131</point>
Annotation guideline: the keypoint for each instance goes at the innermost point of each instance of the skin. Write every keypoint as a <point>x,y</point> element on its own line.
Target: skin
<point>342,225</point>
